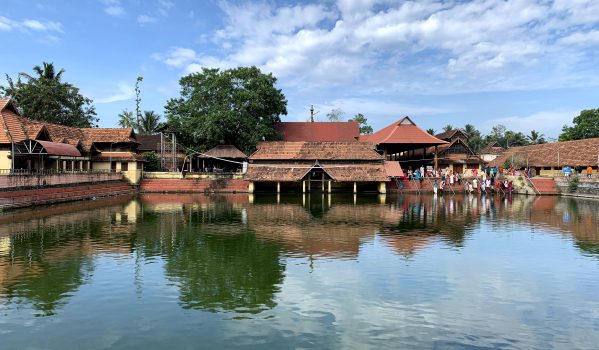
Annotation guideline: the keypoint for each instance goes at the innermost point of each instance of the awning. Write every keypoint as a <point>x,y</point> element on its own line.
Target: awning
<point>36,147</point>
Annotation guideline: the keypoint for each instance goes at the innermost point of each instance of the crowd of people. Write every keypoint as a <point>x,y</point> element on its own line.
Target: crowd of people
<point>577,171</point>
<point>490,179</point>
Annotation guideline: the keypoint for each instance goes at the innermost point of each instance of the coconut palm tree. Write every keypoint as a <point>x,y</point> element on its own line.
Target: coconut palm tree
<point>536,137</point>
<point>126,119</point>
<point>47,72</point>
<point>149,122</point>
<point>447,128</point>
<point>431,131</point>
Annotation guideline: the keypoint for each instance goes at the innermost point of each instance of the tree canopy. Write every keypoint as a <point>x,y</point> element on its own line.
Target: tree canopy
<point>335,115</point>
<point>586,126</point>
<point>45,97</point>
<point>363,124</point>
<point>236,106</point>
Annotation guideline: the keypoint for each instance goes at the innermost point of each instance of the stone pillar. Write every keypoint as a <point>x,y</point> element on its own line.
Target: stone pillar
<point>251,187</point>
<point>278,187</point>
<point>329,186</point>
<point>355,187</point>
<point>436,160</point>
<point>303,186</point>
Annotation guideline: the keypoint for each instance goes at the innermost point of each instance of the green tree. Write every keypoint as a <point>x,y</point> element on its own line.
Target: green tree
<point>586,125</point>
<point>152,162</point>
<point>475,140</point>
<point>45,97</point>
<point>126,119</point>
<point>431,131</point>
<point>535,137</point>
<point>363,123</point>
<point>335,115</point>
<point>148,123</point>
<point>447,128</point>
<point>237,106</point>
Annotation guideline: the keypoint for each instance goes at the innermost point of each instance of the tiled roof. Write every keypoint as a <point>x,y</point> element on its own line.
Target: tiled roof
<point>282,150</point>
<point>556,154</point>
<point>18,129</point>
<point>393,169</point>
<point>319,131</point>
<point>492,148</point>
<point>224,151</point>
<point>403,131</point>
<point>148,143</point>
<point>449,134</point>
<point>296,172</point>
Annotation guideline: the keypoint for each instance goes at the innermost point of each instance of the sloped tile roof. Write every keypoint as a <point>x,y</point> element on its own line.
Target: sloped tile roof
<point>492,148</point>
<point>403,131</point>
<point>319,131</point>
<point>60,149</point>
<point>224,151</point>
<point>451,133</point>
<point>315,150</point>
<point>555,154</point>
<point>393,169</point>
<point>295,172</point>
<point>148,143</point>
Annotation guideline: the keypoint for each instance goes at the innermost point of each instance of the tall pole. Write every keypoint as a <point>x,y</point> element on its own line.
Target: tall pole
<point>312,113</point>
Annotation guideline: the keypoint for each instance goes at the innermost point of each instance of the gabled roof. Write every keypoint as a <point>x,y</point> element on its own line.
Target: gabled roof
<point>449,134</point>
<point>11,127</point>
<point>403,131</point>
<point>224,151</point>
<point>290,172</point>
<point>323,150</point>
<point>555,154</point>
<point>319,131</point>
<point>444,148</point>
<point>493,148</point>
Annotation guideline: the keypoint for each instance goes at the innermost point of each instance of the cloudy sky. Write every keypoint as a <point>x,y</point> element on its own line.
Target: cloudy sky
<point>526,64</point>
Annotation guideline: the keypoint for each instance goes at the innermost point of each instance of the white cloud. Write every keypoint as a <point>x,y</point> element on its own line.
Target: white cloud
<point>7,24</point>
<point>438,46</point>
<point>124,92</point>
<point>146,19</point>
<point>114,8</point>
<point>164,7</point>
<point>548,122</point>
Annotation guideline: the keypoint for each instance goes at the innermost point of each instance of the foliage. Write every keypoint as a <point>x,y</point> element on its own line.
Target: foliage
<point>138,114</point>
<point>148,123</point>
<point>126,119</point>
<point>447,128</point>
<point>363,123</point>
<point>236,106</point>
<point>536,137</point>
<point>335,115</point>
<point>431,131</point>
<point>506,138</point>
<point>475,139</point>
<point>152,162</point>
<point>45,97</point>
<point>573,184</point>
<point>586,125</point>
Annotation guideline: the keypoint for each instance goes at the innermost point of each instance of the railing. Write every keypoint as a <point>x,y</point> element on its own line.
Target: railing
<point>25,172</point>
<point>532,184</point>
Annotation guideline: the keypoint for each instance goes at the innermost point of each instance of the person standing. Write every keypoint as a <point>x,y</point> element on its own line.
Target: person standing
<point>475,183</point>
<point>589,171</point>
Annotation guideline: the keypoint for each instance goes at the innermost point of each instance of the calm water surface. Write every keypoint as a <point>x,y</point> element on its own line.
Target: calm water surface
<point>195,271</point>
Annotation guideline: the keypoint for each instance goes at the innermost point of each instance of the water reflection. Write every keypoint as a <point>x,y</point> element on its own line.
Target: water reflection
<point>230,254</point>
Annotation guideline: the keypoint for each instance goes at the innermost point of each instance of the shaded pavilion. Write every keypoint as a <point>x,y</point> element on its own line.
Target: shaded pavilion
<point>221,158</point>
<point>404,141</point>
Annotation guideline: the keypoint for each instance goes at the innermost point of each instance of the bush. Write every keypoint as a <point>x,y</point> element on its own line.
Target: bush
<point>152,162</point>
<point>573,184</point>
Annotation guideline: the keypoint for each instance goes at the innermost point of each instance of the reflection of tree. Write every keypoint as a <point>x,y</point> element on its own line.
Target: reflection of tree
<point>216,262</point>
<point>52,264</point>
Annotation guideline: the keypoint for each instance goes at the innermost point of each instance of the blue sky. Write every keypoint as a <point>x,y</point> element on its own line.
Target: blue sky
<point>525,64</point>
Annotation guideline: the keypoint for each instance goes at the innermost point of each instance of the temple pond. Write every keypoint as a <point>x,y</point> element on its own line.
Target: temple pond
<point>330,272</point>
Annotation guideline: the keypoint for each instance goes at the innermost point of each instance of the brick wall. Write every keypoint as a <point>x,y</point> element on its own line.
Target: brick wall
<point>14,181</point>
<point>193,185</point>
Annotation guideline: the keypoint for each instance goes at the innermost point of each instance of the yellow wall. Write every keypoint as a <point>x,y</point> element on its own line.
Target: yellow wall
<point>5,161</point>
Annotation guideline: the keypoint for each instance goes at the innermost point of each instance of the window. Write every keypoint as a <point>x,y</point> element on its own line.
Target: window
<point>124,166</point>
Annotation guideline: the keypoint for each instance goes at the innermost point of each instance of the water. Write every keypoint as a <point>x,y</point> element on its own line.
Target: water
<point>195,271</point>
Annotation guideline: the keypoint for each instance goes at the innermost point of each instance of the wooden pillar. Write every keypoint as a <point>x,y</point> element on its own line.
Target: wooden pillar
<point>436,160</point>
<point>329,187</point>
<point>278,187</point>
<point>355,187</point>
<point>303,186</point>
